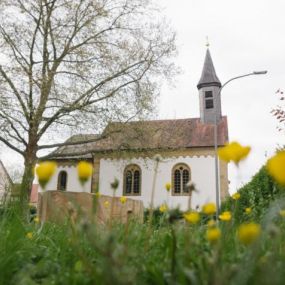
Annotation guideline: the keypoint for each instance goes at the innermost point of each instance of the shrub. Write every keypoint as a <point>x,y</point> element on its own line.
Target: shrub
<point>257,195</point>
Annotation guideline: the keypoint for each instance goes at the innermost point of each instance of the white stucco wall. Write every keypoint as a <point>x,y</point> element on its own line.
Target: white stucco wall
<point>202,174</point>
<point>73,183</point>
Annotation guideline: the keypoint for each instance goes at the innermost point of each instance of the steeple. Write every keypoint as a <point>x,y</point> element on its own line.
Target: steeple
<point>209,92</point>
<point>209,76</point>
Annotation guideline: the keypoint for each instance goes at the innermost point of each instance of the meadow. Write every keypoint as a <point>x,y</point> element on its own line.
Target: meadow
<point>244,245</point>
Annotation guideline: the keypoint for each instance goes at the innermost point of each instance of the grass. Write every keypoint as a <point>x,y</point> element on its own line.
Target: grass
<point>167,253</point>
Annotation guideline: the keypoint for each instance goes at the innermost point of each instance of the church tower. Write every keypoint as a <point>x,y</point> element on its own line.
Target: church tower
<point>209,92</point>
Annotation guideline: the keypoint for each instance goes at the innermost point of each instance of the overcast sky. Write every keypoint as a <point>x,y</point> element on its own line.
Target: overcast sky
<point>244,36</point>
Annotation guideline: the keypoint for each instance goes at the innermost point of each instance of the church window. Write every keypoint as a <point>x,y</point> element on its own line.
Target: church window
<point>132,180</point>
<point>180,177</point>
<point>62,181</point>
<point>209,101</point>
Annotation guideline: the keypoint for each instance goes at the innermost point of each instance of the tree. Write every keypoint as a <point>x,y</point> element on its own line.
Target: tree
<point>76,64</point>
<point>278,111</point>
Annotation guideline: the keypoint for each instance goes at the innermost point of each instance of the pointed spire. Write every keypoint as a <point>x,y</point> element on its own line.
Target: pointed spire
<point>208,77</point>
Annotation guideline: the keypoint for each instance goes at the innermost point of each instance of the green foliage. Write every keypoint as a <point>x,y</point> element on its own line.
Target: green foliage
<point>160,218</point>
<point>166,253</point>
<point>169,251</point>
<point>258,194</point>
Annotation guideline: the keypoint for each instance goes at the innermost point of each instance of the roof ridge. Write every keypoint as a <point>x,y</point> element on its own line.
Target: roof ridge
<point>159,120</point>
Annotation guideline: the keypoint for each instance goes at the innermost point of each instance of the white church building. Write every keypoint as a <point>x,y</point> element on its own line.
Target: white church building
<point>127,152</point>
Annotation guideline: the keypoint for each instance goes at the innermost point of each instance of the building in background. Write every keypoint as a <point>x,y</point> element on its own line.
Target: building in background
<point>5,183</point>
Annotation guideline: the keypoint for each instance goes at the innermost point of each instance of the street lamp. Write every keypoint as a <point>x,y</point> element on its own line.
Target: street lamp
<point>216,137</point>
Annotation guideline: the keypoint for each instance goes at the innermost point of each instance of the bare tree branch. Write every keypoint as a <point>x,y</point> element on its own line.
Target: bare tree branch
<point>67,66</point>
<point>7,143</point>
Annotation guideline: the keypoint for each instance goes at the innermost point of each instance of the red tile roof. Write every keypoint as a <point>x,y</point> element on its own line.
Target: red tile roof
<point>147,135</point>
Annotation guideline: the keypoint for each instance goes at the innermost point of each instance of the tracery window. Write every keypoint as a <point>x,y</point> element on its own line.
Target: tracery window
<point>62,181</point>
<point>132,180</point>
<point>180,177</point>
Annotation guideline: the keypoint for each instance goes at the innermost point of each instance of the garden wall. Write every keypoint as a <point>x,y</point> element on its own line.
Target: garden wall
<point>58,206</point>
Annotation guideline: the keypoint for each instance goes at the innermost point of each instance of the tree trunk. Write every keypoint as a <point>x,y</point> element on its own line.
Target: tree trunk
<point>28,176</point>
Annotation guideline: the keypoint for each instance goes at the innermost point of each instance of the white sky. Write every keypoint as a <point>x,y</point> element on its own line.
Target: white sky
<point>244,36</point>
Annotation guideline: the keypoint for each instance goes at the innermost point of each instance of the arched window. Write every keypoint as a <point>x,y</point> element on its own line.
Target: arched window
<point>62,181</point>
<point>132,180</point>
<point>180,177</point>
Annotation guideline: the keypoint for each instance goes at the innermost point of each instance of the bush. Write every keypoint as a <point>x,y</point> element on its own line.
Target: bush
<point>160,218</point>
<point>258,194</point>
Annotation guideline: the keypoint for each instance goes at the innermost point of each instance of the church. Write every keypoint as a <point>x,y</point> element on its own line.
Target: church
<point>145,155</point>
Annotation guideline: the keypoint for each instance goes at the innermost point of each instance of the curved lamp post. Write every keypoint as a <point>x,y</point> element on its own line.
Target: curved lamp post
<point>216,138</point>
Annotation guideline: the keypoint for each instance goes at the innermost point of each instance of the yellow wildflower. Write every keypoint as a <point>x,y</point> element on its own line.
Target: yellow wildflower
<point>226,216</point>
<point>84,170</point>
<point>168,186</point>
<point>211,223</point>
<point>248,210</point>
<point>209,209</point>
<point>45,171</point>
<point>233,152</point>
<point>36,219</point>
<point>29,235</point>
<point>163,208</point>
<point>123,199</point>
<point>276,167</point>
<point>106,204</point>
<point>282,213</point>
<point>213,234</point>
<point>236,196</point>
<point>98,194</point>
<point>248,233</point>
<point>192,217</point>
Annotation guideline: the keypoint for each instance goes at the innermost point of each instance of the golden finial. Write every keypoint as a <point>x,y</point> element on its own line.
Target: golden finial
<point>207,42</point>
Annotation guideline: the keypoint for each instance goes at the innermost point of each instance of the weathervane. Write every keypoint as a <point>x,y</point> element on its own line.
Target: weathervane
<point>207,42</point>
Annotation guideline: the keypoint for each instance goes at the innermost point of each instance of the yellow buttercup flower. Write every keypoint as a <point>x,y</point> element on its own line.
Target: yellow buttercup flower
<point>45,171</point>
<point>282,213</point>
<point>276,167</point>
<point>248,233</point>
<point>211,223</point>
<point>226,216</point>
<point>209,209</point>
<point>168,186</point>
<point>236,196</point>
<point>36,219</point>
<point>29,235</point>
<point>123,199</point>
<point>106,204</point>
<point>84,170</point>
<point>192,217</point>
<point>163,208</point>
<point>213,234</point>
<point>233,152</point>
<point>98,194</point>
<point>248,210</point>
